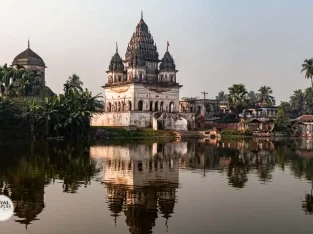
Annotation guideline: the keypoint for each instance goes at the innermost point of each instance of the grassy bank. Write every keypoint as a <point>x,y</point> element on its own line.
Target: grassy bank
<point>235,134</point>
<point>121,133</point>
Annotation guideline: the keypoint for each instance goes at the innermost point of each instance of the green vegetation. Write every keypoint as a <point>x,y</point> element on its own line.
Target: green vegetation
<point>235,134</point>
<point>18,82</point>
<point>123,133</point>
<point>66,115</point>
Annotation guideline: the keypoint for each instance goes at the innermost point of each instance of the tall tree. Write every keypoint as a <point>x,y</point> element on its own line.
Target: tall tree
<point>297,101</point>
<point>74,80</point>
<point>221,96</point>
<point>264,96</point>
<point>307,67</point>
<point>237,98</point>
<point>252,99</point>
<point>308,98</point>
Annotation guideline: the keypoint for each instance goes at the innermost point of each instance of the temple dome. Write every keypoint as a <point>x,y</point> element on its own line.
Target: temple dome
<point>28,58</point>
<point>116,64</point>
<point>141,46</point>
<point>167,62</point>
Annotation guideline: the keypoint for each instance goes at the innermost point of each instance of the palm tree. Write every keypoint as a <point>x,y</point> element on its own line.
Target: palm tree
<point>252,99</point>
<point>221,96</point>
<point>307,67</point>
<point>237,98</point>
<point>264,96</point>
<point>75,81</point>
<point>297,100</point>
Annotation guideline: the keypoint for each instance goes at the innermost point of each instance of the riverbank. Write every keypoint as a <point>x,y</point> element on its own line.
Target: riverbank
<point>104,133</point>
<point>119,133</point>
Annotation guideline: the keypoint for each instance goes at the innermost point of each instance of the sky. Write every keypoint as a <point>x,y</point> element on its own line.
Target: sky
<point>215,43</point>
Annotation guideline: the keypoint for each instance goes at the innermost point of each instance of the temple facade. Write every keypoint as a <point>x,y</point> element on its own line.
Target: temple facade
<point>139,85</point>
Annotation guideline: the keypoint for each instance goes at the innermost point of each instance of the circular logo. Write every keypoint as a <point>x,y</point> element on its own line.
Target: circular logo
<point>6,208</point>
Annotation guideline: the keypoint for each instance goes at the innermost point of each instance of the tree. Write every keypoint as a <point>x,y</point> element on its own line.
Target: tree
<point>264,96</point>
<point>308,100</point>
<point>252,99</point>
<point>221,96</point>
<point>74,80</point>
<point>297,101</point>
<point>307,67</point>
<point>237,98</point>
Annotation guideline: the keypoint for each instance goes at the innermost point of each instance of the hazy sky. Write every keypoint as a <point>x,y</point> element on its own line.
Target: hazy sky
<point>215,43</point>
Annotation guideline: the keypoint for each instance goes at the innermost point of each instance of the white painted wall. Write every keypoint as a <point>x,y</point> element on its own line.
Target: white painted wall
<point>136,92</point>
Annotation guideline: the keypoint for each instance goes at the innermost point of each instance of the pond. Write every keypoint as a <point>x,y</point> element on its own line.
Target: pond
<point>255,186</point>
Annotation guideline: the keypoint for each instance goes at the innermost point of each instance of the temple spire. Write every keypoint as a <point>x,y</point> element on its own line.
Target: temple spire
<point>116,47</point>
<point>142,15</point>
<point>168,44</point>
<point>28,44</point>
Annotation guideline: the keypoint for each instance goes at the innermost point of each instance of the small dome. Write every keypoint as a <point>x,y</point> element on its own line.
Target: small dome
<point>116,64</point>
<point>28,58</point>
<point>167,62</point>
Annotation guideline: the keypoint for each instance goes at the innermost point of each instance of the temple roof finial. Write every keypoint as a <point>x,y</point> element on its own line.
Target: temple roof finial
<point>142,15</point>
<point>116,47</point>
<point>28,44</point>
<point>168,44</point>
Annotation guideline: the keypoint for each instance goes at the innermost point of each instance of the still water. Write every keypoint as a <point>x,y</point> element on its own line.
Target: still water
<point>254,186</point>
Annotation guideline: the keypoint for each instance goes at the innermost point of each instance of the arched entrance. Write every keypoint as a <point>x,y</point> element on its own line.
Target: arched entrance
<point>109,107</point>
<point>172,107</point>
<point>156,106</point>
<point>161,106</point>
<point>151,106</point>
<point>115,106</point>
<point>140,105</point>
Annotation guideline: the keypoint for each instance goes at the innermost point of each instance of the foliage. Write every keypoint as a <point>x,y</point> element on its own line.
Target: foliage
<point>264,96</point>
<point>17,81</point>
<point>190,99</point>
<point>252,99</point>
<point>221,96</point>
<point>8,114</point>
<point>237,98</point>
<point>297,100</point>
<point>66,115</point>
<point>307,67</point>
<point>74,81</point>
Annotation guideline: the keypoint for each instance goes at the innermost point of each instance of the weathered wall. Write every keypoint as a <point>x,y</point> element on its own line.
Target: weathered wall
<point>141,119</point>
<point>126,118</point>
<point>172,121</point>
<point>111,119</point>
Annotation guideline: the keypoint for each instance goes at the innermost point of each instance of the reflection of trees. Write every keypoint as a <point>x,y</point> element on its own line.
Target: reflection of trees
<point>237,171</point>
<point>307,204</point>
<point>72,164</point>
<point>27,168</point>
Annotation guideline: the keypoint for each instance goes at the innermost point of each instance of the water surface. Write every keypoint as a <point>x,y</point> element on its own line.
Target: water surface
<point>256,186</point>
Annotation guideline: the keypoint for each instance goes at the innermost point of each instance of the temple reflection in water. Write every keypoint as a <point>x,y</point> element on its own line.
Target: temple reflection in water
<point>141,181</point>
